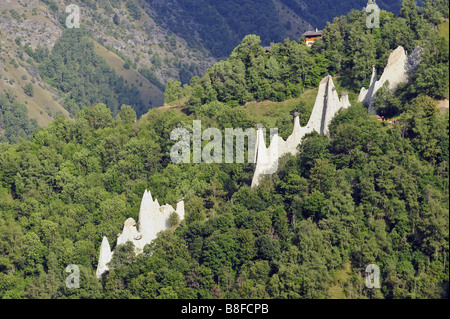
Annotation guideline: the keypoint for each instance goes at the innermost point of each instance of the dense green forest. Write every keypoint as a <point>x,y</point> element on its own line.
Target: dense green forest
<point>368,193</point>
<point>14,121</point>
<point>249,75</point>
<point>73,67</point>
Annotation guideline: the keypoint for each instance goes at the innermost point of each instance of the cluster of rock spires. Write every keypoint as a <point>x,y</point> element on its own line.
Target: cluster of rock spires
<point>327,104</point>
<point>153,218</point>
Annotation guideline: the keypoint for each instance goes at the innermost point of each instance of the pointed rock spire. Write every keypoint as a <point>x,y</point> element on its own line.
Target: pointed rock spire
<point>180,209</point>
<point>396,72</point>
<point>104,257</point>
<point>317,115</point>
<point>332,104</point>
<point>345,103</point>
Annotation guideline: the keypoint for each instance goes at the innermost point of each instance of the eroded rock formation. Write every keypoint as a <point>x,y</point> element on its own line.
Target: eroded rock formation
<point>397,71</point>
<point>326,106</point>
<point>153,218</point>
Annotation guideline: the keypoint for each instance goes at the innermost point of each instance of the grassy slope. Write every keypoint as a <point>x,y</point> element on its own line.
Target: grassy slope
<point>268,112</point>
<point>444,29</point>
<point>340,278</point>
<point>43,105</point>
<point>148,91</point>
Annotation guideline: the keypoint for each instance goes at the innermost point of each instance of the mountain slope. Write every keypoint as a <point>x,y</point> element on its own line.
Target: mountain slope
<point>318,12</point>
<point>138,50</point>
<point>149,93</point>
<point>220,25</point>
<point>152,39</point>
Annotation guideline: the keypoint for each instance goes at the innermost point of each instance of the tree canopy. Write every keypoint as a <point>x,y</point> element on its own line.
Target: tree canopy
<point>369,192</point>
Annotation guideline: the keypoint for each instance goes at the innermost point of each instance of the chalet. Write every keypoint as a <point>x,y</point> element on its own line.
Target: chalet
<point>311,36</point>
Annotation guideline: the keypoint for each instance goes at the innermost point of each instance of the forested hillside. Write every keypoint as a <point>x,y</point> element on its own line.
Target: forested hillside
<point>369,192</point>
<point>221,25</point>
<point>348,49</point>
<point>14,121</point>
<point>141,52</point>
<point>313,10</point>
<point>74,68</point>
<point>146,44</point>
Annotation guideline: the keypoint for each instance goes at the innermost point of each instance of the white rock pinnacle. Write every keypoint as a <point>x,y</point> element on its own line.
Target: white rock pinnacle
<point>104,258</point>
<point>180,209</point>
<point>397,71</point>
<point>345,101</point>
